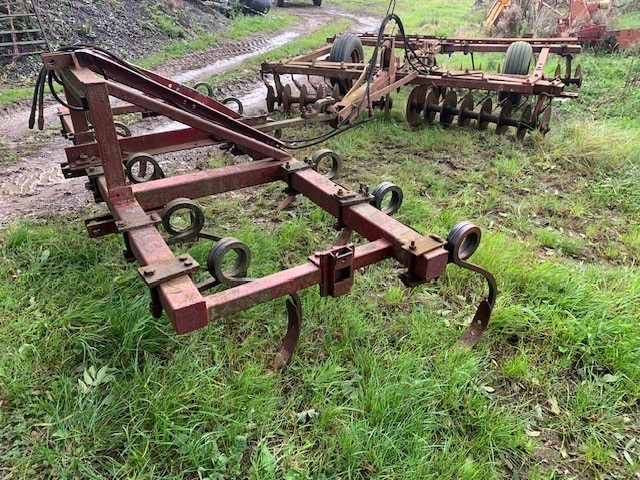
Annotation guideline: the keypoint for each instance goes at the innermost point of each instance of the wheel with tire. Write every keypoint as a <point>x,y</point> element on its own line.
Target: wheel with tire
<point>346,48</point>
<point>255,6</point>
<point>516,62</point>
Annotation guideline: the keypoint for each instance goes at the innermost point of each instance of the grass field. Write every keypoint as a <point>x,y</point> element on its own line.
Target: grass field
<point>92,387</point>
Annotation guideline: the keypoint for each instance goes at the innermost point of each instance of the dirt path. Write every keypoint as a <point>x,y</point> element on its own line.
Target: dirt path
<point>31,182</point>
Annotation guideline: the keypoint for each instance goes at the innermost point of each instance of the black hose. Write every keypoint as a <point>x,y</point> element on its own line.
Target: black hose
<point>41,105</point>
<point>367,94</point>
<point>329,135</point>
<point>55,94</point>
<point>367,97</point>
<point>44,77</point>
<point>34,100</point>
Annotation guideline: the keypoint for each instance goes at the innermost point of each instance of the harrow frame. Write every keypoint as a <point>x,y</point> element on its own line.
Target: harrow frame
<point>91,79</point>
<point>391,73</point>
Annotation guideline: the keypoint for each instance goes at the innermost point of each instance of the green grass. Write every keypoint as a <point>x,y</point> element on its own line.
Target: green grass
<point>245,25</point>
<point>15,94</point>
<point>7,155</point>
<point>430,18</point>
<point>92,387</point>
<point>239,27</point>
<point>627,20</point>
<point>163,21</point>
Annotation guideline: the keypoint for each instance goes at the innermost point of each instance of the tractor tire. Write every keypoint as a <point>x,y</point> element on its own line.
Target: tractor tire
<point>346,48</point>
<point>516,62</point>
<point>253,7</point>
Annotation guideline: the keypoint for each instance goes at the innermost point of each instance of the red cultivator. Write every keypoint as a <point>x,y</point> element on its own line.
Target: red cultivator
<point>581,24</point>
<point>515,98</point>
<point>143,203</point>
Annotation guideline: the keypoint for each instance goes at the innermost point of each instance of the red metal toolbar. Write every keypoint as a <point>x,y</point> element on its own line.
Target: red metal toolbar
<point>138,205</point>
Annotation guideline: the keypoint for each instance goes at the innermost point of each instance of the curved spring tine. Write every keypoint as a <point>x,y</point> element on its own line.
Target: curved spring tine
<point>286,201</point>
<point>294,305</point>
<point>264,80</point>
<point>279,88</point>
<point>481,319</point>
<point>294,315</point>
<point>477,326</point>
<point>343,238</point>
<point>462,242</point>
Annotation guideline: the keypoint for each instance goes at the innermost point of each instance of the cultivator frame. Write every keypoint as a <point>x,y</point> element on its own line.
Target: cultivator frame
<point>138,204</point>
<point>435,88</point>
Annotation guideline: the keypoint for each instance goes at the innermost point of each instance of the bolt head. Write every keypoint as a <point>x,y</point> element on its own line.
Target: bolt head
<point>183,257</point>
<point>148,272</point>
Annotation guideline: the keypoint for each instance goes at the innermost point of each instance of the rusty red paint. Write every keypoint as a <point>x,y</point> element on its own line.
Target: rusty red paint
<point>372,90</point>
<point>100,153</point>
<point>156,194</point>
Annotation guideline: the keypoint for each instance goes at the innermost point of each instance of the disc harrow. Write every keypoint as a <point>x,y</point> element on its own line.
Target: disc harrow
<point>448,108</point>
<point>517,99</point>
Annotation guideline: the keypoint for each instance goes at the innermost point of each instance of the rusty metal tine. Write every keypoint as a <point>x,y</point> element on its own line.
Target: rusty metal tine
<point>343,238</point>
<point>476,328</point>
<point>290,340</point>
<point>286,201</point>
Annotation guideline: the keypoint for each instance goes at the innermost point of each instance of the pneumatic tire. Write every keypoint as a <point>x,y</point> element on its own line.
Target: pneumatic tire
<point>516,62</point>
<point>346,48</point>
